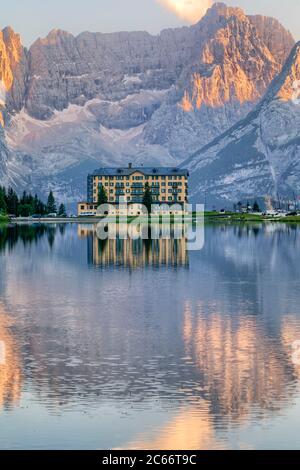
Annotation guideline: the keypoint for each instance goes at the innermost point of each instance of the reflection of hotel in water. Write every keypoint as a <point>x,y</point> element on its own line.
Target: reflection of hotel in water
<point>134,253</point>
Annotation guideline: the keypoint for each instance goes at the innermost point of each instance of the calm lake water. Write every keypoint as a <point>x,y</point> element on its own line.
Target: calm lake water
<point>145,345</point>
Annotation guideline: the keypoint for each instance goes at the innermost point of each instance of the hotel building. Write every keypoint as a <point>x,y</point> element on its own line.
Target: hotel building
<point>127,185</point>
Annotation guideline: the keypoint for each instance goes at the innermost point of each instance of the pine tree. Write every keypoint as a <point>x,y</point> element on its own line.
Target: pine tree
<point>3,205</point>
<point>256,207</point>
<point>51,205</point>
<point>147,199</point>
<point>102,196</point>
<point>36,204</point>
<point>25,210</point>
<point>12,202</point>
<point>62,211</point>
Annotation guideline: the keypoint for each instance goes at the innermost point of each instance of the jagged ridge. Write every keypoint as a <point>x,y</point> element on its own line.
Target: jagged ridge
<point>77,102</point>
<point>260,155</point>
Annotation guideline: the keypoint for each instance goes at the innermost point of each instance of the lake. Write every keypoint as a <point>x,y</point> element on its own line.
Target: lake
<point>144,345</point>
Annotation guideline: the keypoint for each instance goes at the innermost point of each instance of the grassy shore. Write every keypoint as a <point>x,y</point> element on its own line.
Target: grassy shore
<point>231,216</point>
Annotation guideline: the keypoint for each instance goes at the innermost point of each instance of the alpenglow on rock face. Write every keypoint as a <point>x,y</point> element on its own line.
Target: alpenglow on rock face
<point>13,72</point>
<point>75,103</point>
<point>260,155</point>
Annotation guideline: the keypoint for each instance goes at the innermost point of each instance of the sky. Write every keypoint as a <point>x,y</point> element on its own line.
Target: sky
<point>33,18</point>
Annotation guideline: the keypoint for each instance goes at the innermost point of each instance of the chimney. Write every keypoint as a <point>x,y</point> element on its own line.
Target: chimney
<point>130,165</point>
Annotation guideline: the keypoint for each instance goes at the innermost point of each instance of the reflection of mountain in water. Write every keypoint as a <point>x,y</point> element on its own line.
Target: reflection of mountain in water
<point>252,270</point>
<point>242,374</point>
<point>10,368</point>
<point>213,339</point>
<point>241,367</point>
<point>191,428</point>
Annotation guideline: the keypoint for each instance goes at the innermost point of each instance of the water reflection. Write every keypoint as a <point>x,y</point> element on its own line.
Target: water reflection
<point>203,350</point>
<point>10,235</point>
<point>242,367</point>
<point>10,366</point>
<point>243,376</point>
<point>191,428</point>
<point>133,254</point>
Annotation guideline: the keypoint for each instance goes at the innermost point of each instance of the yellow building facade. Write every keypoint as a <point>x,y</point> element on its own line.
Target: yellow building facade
<point>168,186</point>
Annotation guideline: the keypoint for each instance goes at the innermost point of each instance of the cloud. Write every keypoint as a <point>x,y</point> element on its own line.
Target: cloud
<point>189,10</point>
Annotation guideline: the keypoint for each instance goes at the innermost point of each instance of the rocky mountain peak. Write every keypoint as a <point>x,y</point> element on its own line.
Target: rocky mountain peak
<point>13,65</point>
<point>11,51</point>
<point>10,34</point>
<point>221,9</point>
<point>234,64</point>
<point>74,102</point>
<point>54,37</point>
<point>287,85</point>
<point>278,40</point>
<point>260,155</point>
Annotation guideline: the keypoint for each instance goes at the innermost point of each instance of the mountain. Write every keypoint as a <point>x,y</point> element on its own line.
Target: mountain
<point>278,40</point>
<point>13,72</point>
<point>75,103</point>
<point>232,70</point>
<point>260,155</point>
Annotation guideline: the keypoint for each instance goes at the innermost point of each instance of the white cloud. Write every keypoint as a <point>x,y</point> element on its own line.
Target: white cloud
<point>189,10</point>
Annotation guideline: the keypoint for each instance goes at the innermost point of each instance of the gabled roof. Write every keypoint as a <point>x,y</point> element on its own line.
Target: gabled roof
<point>150,171</point>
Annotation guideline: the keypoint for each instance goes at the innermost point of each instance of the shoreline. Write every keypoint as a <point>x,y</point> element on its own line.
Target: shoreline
<point>208,217</point>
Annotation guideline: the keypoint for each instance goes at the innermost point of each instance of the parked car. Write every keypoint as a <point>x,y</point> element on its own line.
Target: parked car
<point>53,215</point>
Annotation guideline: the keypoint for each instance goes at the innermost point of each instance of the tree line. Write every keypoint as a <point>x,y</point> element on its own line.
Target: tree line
<point>28,205</point>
